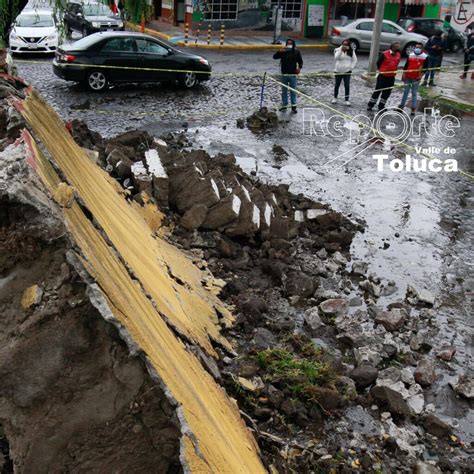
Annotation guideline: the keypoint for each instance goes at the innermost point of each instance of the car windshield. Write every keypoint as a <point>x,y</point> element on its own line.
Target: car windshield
<point>95,10</point>
<point>34,20</point>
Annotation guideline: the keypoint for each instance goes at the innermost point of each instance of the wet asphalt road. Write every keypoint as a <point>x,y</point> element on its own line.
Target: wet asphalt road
<point>420,226</point>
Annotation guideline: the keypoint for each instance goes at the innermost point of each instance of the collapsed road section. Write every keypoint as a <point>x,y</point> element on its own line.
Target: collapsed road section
<point>167,312</point>
<point>139,283</point>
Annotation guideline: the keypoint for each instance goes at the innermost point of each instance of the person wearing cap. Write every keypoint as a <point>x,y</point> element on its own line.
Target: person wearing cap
<point>387,64</point>
<point>291,63</point>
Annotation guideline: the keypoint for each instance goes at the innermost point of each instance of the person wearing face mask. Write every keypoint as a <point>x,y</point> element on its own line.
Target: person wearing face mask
<point>413,72</point>
<point>387,65</point>
<point>435,48</point>
<point>291,63</point>
<point>346,60</point>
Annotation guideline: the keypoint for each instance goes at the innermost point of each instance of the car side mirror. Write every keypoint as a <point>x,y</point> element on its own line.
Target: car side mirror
<point>170,52</point>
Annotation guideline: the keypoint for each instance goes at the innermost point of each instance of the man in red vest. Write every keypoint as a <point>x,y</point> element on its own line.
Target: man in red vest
<point>387,65</point>
<point>412,74</point>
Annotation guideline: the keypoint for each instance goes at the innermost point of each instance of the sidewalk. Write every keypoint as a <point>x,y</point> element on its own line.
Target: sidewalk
<point>233,40</point>
<point>453,90</point>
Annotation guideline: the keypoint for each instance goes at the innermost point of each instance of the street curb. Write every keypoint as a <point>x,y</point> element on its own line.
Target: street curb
<point>458,104</point>
<point>181,43</point>
<point>461,105</point>
<point>148,31</point>
<point>248,46</point>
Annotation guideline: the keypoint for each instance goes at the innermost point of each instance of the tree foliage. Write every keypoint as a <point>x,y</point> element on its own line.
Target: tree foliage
<point>9,10</point>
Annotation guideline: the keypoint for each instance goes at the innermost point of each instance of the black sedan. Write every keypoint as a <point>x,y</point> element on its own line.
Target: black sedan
<point>90,17</point>
<point>111,57</point>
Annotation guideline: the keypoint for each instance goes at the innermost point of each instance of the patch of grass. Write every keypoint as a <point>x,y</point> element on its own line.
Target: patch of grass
<point>297,374</point>
<point>445,102</point>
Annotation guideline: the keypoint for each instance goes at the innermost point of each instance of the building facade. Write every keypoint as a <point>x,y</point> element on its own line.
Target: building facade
<point>308,18</point>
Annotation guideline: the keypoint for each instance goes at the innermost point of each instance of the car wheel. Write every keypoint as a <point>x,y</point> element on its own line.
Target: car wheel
<point>409,48</point>
<point>96,81</point>
<point>188,80</point>
<point>456,46</point>
<point>354,44</point>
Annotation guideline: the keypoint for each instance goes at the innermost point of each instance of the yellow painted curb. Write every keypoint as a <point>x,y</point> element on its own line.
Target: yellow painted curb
<point>166,37</point>
<point>148,31</point>
<point>247,46</point>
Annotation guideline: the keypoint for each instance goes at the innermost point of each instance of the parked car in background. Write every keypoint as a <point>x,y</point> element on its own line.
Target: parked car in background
<point>428,26</point>
<point>34,31</point>
<point>359,33</point>
<point>90,17</point>
<point>127,57</point>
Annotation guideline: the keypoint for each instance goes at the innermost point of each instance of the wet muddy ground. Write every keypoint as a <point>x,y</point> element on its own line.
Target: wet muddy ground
<point>419,226</point>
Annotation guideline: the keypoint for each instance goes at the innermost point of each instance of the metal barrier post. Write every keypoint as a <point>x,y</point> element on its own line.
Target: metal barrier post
<point>209,34</point>
<point>222,35</point>
<point>186,33</point>
<point>197,32</point>
<point>262,90</point>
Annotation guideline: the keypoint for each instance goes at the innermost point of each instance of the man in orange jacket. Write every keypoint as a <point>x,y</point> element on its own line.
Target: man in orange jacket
<point>412,74</point>
<point>387,65</point>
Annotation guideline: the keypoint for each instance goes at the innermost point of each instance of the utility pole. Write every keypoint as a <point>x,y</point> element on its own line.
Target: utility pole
<point>375,45</point>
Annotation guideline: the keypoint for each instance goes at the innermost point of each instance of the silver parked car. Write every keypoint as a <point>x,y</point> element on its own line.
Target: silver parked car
<point>359,33</point>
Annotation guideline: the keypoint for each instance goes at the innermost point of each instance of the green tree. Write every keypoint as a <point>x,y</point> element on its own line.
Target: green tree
<point>9,10</point>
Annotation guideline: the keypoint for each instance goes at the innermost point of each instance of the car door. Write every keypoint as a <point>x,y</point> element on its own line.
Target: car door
<point>155,55</point>
<point>365,29</point>
<point>119,54</point>
<point>390,33</point>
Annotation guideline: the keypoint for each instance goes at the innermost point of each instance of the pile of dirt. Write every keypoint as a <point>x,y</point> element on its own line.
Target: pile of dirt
<point>315,348</point>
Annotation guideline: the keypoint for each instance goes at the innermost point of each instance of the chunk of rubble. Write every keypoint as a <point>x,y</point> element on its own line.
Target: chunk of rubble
<point>225,212</point>
<point>446,353</point>
<point>419,297</point>
<point>194,217</point>
<point>160,178</point>
<point>391,320</point>
<point>31,297</point>
<point>425,373</point>
<point>333,307</point>
<point>312,318</point>
<point>464,386</point>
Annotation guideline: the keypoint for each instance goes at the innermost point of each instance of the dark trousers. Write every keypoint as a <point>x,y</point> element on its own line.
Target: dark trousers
<point>467,61</point>
<point>383,82</point>
<point>433,63</point>
<point>347,80</point>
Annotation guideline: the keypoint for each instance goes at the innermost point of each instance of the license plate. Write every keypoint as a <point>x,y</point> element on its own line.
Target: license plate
<point>32,46</point>
<point>110,29</point>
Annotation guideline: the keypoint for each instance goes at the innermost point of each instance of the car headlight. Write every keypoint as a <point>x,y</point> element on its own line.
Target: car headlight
<point>120,24</point>
<point>52,37</point>
<point>96,24</point>
<point>204,61</point>
<point>13,35</point>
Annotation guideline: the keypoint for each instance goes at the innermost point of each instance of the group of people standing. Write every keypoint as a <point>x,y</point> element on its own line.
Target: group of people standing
<point>422,63</point>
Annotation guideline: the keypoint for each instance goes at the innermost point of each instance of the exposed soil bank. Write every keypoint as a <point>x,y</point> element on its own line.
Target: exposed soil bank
<point>72,399</point>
